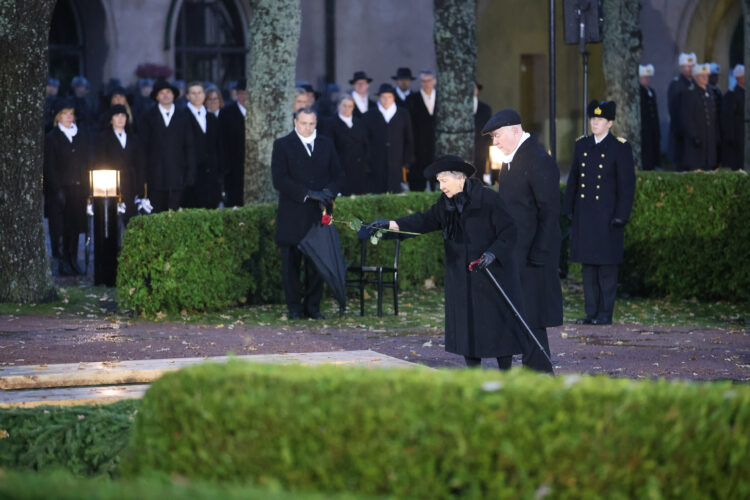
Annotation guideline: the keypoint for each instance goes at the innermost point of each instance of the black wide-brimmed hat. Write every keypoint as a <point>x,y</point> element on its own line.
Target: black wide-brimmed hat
<point>502,118</point>
<point>162,84</point>
<point>359,75</point>
<point>448,163</point>
<point>385,88</point>
<point>116,110</point>
<point>403,73</point>
<point>240,84</point>
<point>601,109</point>
<point>61,103</point>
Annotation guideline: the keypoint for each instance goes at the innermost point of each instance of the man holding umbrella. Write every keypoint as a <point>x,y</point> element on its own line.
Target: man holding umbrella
<point>479,235</point>
<point>307,174</point>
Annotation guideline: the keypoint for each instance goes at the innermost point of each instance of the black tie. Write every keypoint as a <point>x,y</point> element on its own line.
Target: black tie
<point>309,146</point>
<point>166,113</point>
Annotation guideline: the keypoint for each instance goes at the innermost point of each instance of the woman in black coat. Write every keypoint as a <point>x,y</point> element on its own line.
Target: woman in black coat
<point>349,136</point>
<point>66,164</point>
<point>117,148</point>
<point>476,225</point>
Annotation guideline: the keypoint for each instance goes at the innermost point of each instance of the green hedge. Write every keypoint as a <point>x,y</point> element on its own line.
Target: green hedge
<point>84,440</point>
<point>687,238</point>
<point>445,434</point>
<point>62,486</point>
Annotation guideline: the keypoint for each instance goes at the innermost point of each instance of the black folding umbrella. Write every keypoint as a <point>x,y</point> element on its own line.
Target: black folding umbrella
<point>321,245</point>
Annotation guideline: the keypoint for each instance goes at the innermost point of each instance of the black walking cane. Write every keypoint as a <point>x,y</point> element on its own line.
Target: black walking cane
<point>499,288</point>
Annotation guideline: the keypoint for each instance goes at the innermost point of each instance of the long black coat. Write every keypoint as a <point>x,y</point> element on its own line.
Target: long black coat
<point>370,106</point>
<point>478,322</point>
<point>352,147</point>
<point>295,173</point>
<point>700,122</point>
<point>733,128</point>
<point>482,143</point>
<point>601,186</point>
<point>391,147</point>
<point>170,151</point>
<point>232,143</point>
<point>531,190</point>
<point>674,104</point>
<point>66,169</point>
<point>128,161</point>
<point>207,189</point>
<point>423,124</point>
<point>650,132</point>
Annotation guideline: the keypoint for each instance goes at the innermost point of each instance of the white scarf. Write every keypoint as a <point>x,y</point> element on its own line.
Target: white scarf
<point>307,140</point>
<point>476,104</point>
<point>121,136</point>
<point>167,114</point>
<point>403,95</point>
<point>597,141</point>
<point>509,158</point>
<point>387,113</point>
<point>347,119</point>
<point>242,109</point>
<point>69,132</point>
<point>429,101</point>
<point>199,114</point>
<point>360,102</point>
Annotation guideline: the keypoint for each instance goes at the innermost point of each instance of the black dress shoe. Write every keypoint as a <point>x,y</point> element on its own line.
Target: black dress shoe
<point>316,315</point>
<point>294,315</point>
<point>601,321</point>
<point>584,321</point>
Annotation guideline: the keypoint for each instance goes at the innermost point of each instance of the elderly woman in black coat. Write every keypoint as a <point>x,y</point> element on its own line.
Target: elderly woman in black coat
<point>476,226</point>
<point>350,139</point>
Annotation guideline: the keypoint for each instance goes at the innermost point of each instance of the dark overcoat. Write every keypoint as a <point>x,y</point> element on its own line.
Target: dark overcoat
<point>370,106</point>
<point>128,161</point>
<point>530,187</point>
<point>232,144</point>
<point>207,189</point>
<point>423,124</point>
<point>352,147</point>
<point>295,173</point>
<point>66,168</point>
<point>391,147</point>
<point>700,122</point>
<point>650,132</point>
<point>733,128</point>
<point>601,186</point>
<point>170,151</point>
<point>482,143</point>
<point>478,322</point>
<point>674,104</point>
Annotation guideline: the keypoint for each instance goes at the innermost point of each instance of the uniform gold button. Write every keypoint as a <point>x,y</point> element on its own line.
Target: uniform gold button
<point>583,185</point>
<point>597,186</point>
<point>583,195</point>
<point>583,175</point>
<point>597,197</point>
<point>602,155</point>
<point>583,164</point>
<point>585,154</point>
<point>601,166</point>
<point>598,176</point>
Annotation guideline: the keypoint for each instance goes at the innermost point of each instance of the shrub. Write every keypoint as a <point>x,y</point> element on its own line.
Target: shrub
<point>430,434</point>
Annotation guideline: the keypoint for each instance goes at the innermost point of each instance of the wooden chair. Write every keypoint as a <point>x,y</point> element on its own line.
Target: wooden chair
<point>381,276</point>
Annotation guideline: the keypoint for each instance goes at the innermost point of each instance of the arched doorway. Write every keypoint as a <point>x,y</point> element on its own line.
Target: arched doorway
<point>66,45</point>
<point>210,42</point>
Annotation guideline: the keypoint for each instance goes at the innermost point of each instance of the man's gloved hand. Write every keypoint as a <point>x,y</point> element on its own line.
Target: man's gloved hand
<point>121,208</point>
<point>485,260</point>
<point>487,179</point>
<point>90,209</point>
<point>617,222</point>
<point>143,205</point>
<point>320,196</point>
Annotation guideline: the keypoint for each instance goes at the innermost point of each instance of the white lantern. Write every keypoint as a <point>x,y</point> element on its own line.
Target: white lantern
<point>105,183</point>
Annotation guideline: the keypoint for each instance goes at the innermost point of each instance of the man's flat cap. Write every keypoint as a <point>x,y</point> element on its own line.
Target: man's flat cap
<point>502,118</point>
<point>601,109</point>
<point>448,163</point>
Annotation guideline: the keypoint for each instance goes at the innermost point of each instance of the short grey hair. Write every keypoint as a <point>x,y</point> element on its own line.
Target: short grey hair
<point>454,173</point>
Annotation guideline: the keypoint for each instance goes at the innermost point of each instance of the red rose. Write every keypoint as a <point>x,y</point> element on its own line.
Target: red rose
<point>326,220</point>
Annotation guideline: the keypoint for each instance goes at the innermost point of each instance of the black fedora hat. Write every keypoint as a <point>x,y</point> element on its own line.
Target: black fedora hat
<point>240,84</point>
<point>385,88</point>
<point>448,163</point>
<point>162,84</point>
<point>402,73</point>
<point>360,75</point>
<point>117,109</point>
<point>601,109</point>
<point>61,103</point>
<point>502,118</point>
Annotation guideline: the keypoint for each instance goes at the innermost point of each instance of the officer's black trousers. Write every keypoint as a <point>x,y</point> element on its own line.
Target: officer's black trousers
<point>307,302</point>
<point>599,290</point>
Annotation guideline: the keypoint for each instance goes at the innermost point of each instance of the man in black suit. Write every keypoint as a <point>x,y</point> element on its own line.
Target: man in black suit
<point>206,192</point>
<point>404,79</point>
<point>679,85</point>
<point>360,83</point>
<point>232,144</point>
<point>598,198</point>
<point>307,174</point>
<point>650,132</point>
<point>733,122</point>
<point>391,142</point>
<point>170,153</point>
<point>422,107</point>
<point>482,143</point>
<point>530,186</point>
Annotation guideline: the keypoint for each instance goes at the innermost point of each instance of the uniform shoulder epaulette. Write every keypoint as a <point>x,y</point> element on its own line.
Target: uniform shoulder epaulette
<point>581,137</point>
<point>622,140</point>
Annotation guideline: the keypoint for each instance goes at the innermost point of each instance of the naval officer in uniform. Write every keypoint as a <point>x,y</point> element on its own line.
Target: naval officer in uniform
<point>599,197</point>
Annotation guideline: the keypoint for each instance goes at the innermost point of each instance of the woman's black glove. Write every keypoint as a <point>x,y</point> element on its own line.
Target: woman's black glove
<point>324,196</point>
<point>485,260</point>
<point>617,222</point>
<point>369,229</point>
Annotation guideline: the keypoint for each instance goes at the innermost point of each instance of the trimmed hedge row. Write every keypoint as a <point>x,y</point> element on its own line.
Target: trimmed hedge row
<point>687,238</point>
<point>445,434</point>
<point>84,440</point>
<point>62,486</point>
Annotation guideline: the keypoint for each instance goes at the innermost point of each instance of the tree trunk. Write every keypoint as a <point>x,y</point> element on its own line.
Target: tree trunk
<point>746,12</point>
<point>24,265</point>
<point>274,39</point>
<point>456,51</point>
<point>621,53</point>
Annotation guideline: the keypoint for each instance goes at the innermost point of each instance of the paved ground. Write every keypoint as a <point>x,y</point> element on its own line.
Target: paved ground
<point>626,350</point>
